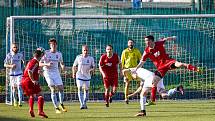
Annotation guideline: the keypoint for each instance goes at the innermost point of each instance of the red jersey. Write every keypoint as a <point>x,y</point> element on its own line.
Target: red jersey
<point>110,65</point>
<point>33,66</point>
<point>157,55</point>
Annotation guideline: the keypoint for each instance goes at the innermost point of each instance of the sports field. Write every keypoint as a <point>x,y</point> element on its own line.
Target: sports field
<point>189,110</point>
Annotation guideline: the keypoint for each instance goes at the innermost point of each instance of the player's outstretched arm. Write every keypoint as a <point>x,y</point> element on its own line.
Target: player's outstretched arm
<point>137,91</point>
<point>169,38</point>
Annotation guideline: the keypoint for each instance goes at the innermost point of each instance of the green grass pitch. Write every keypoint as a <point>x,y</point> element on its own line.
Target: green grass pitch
<point>168,110</point>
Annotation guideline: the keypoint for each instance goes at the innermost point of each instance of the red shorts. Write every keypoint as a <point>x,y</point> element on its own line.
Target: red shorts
<point>165,66</point>
<point>29,87</point>
<point>110,82</point>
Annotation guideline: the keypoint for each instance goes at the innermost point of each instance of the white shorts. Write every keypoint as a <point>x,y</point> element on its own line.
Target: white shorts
<point>81,83</point>
<point>148,84</point>
<point>15,80</point>
<point>53,78</point>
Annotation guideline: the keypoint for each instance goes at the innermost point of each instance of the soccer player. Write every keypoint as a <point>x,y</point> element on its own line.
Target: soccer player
<point>82,73</point>
<point>108,66</point>
<point>13,62</point>
<point>155,51</point>
<point>50,62</point>
<point>31,85</point>
<point>130,58</point>
<point>146,78</point>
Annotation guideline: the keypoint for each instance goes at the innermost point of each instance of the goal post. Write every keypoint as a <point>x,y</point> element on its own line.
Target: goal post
<point>194,44</point>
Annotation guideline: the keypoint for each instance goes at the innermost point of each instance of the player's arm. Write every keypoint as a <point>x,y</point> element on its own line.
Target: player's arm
<point>30,73</point>
<point>7,64</point>
<point>101,65</point>
<point>120,68</point>
<point>74,68</point>
<point>93,67</point>
<point>142,61</point>
<point>123,59</point>
<point>62,65</point>
<point>137,91</point>
<point>168,38</point>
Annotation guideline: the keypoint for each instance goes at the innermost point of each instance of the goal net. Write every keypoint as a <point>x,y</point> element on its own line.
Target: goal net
<point>195,44</point>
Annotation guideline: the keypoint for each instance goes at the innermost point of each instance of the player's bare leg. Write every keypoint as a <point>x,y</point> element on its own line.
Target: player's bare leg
<point>107,97</point>
<point>143,95</point>
<point>113,92</point>
<point>188,66</point>
<point>127,83</point>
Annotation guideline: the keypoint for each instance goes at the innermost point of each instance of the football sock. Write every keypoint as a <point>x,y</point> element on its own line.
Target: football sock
<point>86,96</point>
<point>14,96</point>
<point>80,96</point>
<point>40,103</point>
<point>20,94</point>
<point>142,102</point>
<point>153,93</point>
<point>61,96</point>
<point>31,103</point>
<point>54,99</point>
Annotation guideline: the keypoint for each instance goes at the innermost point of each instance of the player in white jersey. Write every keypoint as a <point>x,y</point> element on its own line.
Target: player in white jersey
<point>50,62</point>
<point>13,61</point>
<point>146,78</point>
<point>82,73</point>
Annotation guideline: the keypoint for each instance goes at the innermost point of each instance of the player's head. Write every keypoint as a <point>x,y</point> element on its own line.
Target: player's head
<point>53,44</point>
<point>38,54</point>
<point>15,48</point>
<point>41,49</point>
<point>84,49</point>
<point>149,40</point>
<point>130,43</point>
<point>109,49</point>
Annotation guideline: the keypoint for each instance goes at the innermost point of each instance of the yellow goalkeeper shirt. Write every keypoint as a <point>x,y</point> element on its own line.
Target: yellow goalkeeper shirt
<point>130,58</point>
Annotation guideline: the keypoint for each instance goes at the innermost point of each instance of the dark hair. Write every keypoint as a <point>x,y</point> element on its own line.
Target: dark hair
<point>38,53</point>
<point>130,39</point>
<point>52,40</point>
<point>109,46</point>
<point>150,37</point>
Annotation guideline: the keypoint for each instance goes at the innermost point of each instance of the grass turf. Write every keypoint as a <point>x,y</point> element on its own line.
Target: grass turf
<point>186,110</point>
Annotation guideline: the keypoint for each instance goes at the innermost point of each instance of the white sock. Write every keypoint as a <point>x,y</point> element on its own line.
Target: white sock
<point>142,102</point>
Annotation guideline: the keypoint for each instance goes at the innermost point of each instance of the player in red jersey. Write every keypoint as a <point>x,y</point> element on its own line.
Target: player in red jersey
<point>156,52</point>
<point>108,66</point>
<point>31,85</point>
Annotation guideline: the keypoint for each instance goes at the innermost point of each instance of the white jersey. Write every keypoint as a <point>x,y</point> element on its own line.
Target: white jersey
<point>84,65</point>
<point>54,58</point>
<point>13,58</point>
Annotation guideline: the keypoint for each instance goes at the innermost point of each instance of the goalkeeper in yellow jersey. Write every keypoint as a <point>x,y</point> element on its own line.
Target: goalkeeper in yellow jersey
<point>130,58</point>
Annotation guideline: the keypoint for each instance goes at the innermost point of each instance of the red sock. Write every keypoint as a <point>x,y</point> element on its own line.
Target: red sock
<point>191,67</point>
<point>31,103</point>
<point>40,104</point>
<point>153,93</point>
<point>111,94</point>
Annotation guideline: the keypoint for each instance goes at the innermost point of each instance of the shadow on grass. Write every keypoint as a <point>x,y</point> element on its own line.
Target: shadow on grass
<point>10,119</point>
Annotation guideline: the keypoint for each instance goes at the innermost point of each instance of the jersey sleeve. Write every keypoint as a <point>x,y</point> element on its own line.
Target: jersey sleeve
<point>76,61</point>
<point>61,58</point>
<point>7,59</point>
